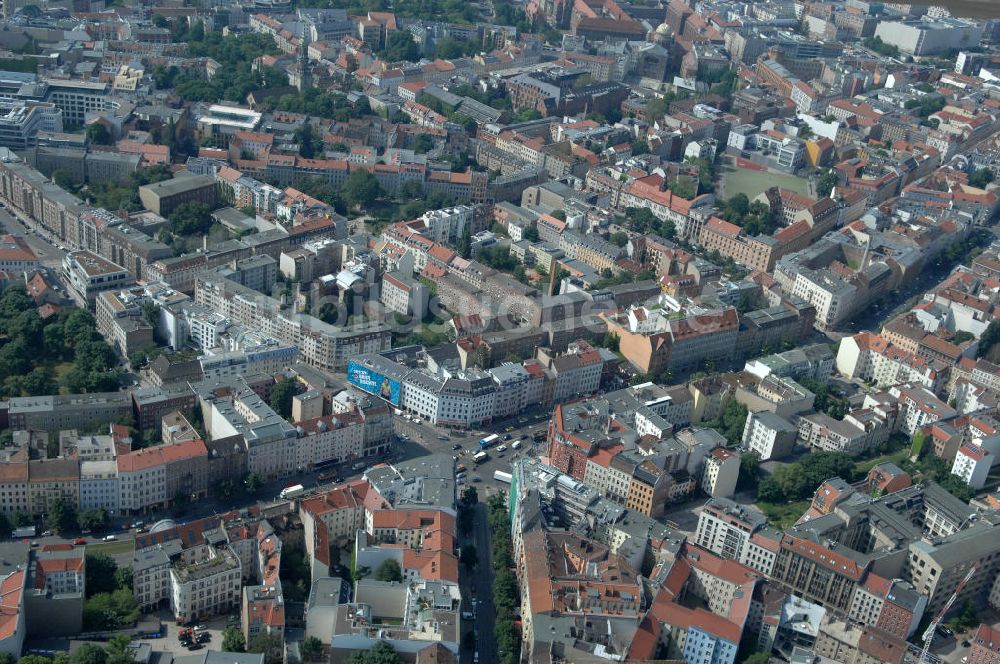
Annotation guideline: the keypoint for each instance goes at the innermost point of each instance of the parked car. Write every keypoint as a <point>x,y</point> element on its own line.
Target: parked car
<point>456,446</point>
<point>204,637</point>
<point>47,533</point>
<point>195,646</point>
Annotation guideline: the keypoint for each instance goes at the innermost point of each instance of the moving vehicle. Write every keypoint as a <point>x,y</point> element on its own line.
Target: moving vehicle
<point>488,441</point>
<point>501,476</point>
<point>515,445</point>
<point>456,446</point>
<point>501,449</point>
<point>506,437</point>
<point>110,538</point>
<point>292,491</point>
<point>23,531</point>
<point>480,457</point>
<point>80,541</point>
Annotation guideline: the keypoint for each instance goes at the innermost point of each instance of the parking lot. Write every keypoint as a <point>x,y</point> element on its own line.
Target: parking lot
<point>170,642</point>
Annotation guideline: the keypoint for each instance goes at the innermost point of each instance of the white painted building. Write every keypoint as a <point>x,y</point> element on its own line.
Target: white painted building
<point>769,435</point>
<point>972,464</point>
<point>722,470</point>
<point>99,487</point>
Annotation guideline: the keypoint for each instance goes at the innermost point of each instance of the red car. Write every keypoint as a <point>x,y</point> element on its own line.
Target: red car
<point>80,540</point>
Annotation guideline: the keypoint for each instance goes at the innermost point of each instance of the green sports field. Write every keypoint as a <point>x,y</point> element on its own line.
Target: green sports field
<point>753,183</point>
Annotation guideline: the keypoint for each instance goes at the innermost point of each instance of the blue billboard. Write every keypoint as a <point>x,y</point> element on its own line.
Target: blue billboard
<point>373,382</point>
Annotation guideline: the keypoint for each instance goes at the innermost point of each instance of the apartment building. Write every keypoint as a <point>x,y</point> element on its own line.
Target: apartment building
<point>330,438</point>
<point>657,340</point>
<point>404,295</point>
<point>99,488</point>
<point>725,527</point>
<point>871,357</point>
<point>769,435</point>
<point>155,477</point>
<point>121,321</point>
<point>721,471</point>
<point>322,345</point>
<point>985,646</point>
<point>87,274</point>
<point>826,576</point>
<point>205,581</point>
<point>52,479</point>
<point>167,195</point>
<point>16,256</point>
<point>919,407</point>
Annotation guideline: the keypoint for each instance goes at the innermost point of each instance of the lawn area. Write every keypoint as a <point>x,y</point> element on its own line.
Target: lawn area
<point>59,370</point>
<point>753,183</point>
<point>115,548</point>
<point>783,515</point>
<point>862,467</point>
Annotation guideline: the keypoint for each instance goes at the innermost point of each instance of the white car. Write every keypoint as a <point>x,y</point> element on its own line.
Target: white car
<point>501,449</point>
<point>110,538</point>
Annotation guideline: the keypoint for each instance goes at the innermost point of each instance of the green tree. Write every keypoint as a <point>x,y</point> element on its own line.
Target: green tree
<point>92,519</point>
<point>98,134</point>
<point>309,143</point>
<point>989,339</point>
<point>961,337</point>
<point>981,177</point>
<point>190,219</point>
<point>757,658</point>
<point>399,45</point>
<point>380,653</point>
<point>101,570</point>
<point>470,496</point>
<point>110,611</point>
<point>268,644</point>
<point>252,482</point>
<point>619,238</point>
<point>423,143</point>
<point>281,397</point>
<point>124,578</point>
<point>232,640</point>
<point>61,515</point>
<point>361,189</point>
<point>530,233</point>
<point>89,653</point>
<point>527,115</point>
<point>119,651</point>
<point>826,182</point>
<point>389,570</point>
<point>311,649</point>
<point>463,246</point>
<point>749,470</point>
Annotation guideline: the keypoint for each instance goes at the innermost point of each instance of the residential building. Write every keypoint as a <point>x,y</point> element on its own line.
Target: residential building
<point>722,470</point>
<point>166,196</point>
<point>768,435</point>
<point>87,274</point>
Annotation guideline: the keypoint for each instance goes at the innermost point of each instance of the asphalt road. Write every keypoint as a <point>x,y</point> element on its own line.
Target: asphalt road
<point>482,581</point>
<point>423,438</point>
